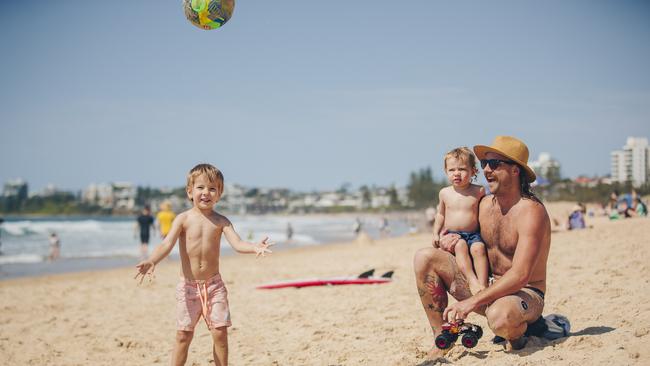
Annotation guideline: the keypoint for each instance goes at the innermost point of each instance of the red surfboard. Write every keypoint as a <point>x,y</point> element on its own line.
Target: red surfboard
<point>365,278</point>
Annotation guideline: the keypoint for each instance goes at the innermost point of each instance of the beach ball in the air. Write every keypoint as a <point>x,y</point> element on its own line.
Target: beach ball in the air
<point>208,14</point>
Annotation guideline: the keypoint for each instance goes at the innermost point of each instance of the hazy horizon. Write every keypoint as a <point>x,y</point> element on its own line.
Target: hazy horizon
<point>293,94</point>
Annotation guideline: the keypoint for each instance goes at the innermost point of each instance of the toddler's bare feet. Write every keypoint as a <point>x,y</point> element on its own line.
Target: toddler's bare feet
<point>475,287</point>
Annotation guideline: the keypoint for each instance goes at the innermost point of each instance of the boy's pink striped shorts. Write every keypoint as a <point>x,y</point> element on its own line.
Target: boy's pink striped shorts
<point>202,297</point>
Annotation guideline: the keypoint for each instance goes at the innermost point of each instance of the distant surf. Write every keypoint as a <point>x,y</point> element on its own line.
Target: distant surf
<point>105,239</point>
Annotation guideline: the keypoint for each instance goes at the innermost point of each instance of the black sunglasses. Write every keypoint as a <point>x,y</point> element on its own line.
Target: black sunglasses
<point>494,163</point>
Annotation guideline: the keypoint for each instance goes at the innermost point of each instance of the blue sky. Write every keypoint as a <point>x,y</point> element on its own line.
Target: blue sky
<point>308,95</point>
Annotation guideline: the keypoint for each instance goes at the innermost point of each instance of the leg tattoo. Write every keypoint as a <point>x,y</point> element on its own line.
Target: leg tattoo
<point>436,288</point>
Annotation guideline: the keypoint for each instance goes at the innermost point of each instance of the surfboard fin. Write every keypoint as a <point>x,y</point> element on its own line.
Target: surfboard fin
<point>367,274</point>
<point>388,274</point>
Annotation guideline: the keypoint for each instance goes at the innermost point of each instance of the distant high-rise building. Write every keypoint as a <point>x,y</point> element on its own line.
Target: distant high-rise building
<point>547,167</point>
<point>632,163</point>
<point>14,194</point>
<point>15,188</point>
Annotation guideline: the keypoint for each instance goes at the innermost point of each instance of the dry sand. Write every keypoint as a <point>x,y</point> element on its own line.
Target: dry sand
<point>597,277</point>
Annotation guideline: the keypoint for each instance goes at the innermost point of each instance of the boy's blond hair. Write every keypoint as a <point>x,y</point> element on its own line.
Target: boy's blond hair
<point>462,153</point>
<point>214,175</point>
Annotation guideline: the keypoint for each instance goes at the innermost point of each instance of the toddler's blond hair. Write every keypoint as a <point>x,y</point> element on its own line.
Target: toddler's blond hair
<point>214,175</point>
<point>462,153</point>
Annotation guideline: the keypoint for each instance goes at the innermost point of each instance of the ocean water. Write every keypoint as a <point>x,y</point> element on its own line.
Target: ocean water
<point>89,243</point>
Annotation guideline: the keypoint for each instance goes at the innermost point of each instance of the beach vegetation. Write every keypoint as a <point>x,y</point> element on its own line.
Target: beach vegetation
<point>423,188</point>
<point>420,192</point>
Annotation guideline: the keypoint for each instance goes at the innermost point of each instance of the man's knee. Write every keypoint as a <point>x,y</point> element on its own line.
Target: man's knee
<point>184,336</point>
<point>505,319</point>
<point>427,258</point>
<point>422,259</point>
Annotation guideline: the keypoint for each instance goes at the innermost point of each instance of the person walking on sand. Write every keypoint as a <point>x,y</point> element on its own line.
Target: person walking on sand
<point>201,291</point>
<point>55,247</point>
<point>516,231</point>
<point>458,214</point>
<point>289,232</point>
<point>384,227</point>
<point>1,221</point>
<point>165,217</point>
<point>357,227</point>
<point>143,224</point>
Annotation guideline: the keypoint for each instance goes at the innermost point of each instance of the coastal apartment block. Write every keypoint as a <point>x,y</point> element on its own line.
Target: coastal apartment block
<point>632,163</point>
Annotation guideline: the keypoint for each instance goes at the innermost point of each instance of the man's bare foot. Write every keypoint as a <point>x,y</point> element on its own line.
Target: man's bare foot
<point>516,344</point>
<point>437,353</point>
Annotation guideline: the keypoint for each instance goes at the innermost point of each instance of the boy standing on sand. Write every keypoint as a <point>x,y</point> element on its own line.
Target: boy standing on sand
<point>201,292</point>
<point>458,212</point>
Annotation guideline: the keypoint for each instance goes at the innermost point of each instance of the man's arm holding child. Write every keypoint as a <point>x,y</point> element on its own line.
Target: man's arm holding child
<point>242,246</point>
<point>162,250</point>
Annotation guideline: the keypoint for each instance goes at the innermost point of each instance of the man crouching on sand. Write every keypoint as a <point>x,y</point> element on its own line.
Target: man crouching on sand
<point>517,234</point>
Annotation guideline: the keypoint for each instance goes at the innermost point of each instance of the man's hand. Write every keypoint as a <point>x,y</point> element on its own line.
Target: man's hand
<point>263,247</point>
<point>436,241</point>
<point>448,242</point>
<point>145,268</point>
<point>459,310</point>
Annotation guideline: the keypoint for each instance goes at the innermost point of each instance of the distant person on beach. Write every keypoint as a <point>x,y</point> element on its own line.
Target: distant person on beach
<point>577,218</point>
<point>516,231</point>
<point>612,207</point>
<point>458,214</point>
<point>384,227</point>
<point>201,291</point>
<point>289,232</point>
<point>357,227</point>
<point>143,224</point>
<point>165,218</point>
<point>625,210</point>
<point>640,208</point>
<point>1,221</point>
<point>55,247</point>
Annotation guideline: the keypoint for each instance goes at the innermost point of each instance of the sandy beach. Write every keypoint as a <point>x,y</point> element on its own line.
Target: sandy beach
<point>598,277</point>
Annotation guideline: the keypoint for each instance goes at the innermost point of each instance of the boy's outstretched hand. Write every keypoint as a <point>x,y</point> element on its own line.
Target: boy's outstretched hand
<point>263,247</point>
<point>145,268</point>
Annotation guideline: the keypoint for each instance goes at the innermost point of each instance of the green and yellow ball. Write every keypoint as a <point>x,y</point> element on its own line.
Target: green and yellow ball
<point>208,14</point>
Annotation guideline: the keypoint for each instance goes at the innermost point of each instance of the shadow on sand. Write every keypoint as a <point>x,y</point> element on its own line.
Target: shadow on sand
<point>534,344</point>
<point>592,331</point>
<point>442,360</point>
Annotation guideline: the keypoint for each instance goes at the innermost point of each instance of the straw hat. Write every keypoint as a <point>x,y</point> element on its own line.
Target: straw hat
<point>512,149</point>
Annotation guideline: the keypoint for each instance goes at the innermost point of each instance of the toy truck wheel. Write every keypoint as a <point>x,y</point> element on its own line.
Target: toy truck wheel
<point>479,332</point>
<point>469,340</point>
<point>444,341</point>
